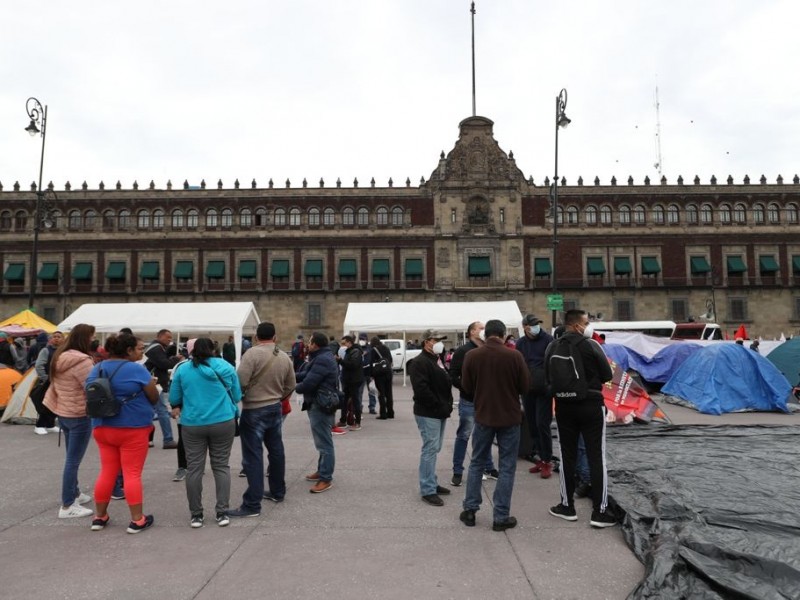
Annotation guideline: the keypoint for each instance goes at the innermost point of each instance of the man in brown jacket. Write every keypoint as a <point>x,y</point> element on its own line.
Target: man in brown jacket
<point>496,377</point>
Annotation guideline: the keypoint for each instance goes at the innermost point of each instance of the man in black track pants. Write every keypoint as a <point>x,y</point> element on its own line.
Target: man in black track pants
<point>580,410</point>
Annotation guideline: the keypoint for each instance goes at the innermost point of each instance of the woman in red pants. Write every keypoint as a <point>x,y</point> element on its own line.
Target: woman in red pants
<point>122,440</point>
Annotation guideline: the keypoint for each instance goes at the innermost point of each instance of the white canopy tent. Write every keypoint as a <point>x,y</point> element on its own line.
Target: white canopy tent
<point>182,318</point>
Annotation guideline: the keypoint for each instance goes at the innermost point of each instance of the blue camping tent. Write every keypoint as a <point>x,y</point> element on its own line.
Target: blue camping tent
<point>657,369</point>
<point>727,378</point>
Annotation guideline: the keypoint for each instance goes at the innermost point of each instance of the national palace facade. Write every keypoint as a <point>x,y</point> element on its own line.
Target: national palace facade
<point>476,229</point>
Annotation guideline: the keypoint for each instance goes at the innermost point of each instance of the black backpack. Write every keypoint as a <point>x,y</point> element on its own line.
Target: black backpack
<point>101,402</point>
<point>565,370</point>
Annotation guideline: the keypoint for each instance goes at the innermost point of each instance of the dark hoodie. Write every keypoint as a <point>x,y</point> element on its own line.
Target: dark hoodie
<point>320,371</point>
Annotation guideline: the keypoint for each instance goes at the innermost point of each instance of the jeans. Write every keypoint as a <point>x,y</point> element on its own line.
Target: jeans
<point>508,445</point>
<point>216,441</point>
<point>321,424</point>
<point>372,400</point>
<point>432,432</point>
<point>257,426</point>
<point>466,422</point>
<point>163,416</point>
<point>77,433</point>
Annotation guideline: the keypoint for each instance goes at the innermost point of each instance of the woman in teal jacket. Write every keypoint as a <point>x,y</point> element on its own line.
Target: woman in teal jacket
<point>205,394</point>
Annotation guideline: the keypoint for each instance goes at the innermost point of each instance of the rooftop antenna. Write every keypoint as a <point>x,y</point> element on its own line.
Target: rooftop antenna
<point>472,10</point>
<point>659,164</point>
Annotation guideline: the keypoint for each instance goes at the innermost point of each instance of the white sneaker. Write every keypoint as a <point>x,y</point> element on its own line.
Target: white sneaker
<point>55,429</point>
<point>83,499</point>
<point>40,431</point>
<point>76,510</point>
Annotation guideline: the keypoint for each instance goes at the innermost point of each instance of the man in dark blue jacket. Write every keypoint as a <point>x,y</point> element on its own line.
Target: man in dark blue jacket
<point>320,372</point>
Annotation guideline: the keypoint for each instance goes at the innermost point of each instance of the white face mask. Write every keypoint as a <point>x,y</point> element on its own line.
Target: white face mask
<point>535,329</point>
<point>482,334</point>
<point>362,343</point>
<point>342,352</point>
<point>587,333</point>
<point>438,348</point>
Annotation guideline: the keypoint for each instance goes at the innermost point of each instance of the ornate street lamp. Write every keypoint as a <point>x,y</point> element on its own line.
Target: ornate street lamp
<point>561,121</point>
<point>38,124</point>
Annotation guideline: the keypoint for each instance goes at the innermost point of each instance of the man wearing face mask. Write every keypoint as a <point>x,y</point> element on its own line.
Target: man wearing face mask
<point>433,403</point>
<point>537,401</point>
<point>576,368</point>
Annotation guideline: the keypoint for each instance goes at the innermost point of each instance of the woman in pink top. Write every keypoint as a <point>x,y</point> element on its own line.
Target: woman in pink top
<point>69,368</point>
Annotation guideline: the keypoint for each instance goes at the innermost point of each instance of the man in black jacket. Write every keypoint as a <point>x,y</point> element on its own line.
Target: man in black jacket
<point>159,363</point>
<point>466,407</point>
<point>352,378</point>
<point>433,403</point>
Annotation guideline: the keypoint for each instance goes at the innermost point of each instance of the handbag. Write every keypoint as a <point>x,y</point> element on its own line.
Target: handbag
<point>328,400</point>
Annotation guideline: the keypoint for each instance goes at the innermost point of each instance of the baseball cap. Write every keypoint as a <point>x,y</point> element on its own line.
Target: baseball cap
<point>531,320</point>
<point>431,334</point>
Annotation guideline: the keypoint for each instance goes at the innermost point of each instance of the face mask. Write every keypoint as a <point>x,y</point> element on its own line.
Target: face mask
<point>482,334</point>
<point>438,348</point>
<point>587,333</point>
<point>362,343</point>
<point>342,352</point>
<point>535,329</point>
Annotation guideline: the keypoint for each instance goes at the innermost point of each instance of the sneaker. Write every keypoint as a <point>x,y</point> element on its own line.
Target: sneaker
<point>342,424</point>
<point>547,470</point>
<point>242,473</point>
<point>442,490</point>
<point>509,523</point>
<point>583,489</point>
<point>321,486</point>
<point>40,431</point>
<point>269,496</point>
<point>134,527</point>
<point>564,512</point>
<point>537,467</point>
<point>467,517</point>
<point>170,445</point>
<point>54,429</point>
<point>222,519</point>
<point>83,499</point>
<point>313,476</point>
<point>99,524</point>
<point>355,427</point>
<point>76,510</point>
<point>456,480</point>
<point>150,444</point>
<point>180,475</point>
<point>433,500</point>
<point>118,495</point>
<point>338,430</point>
<point>242,513</point>
<point>491,474</point>
<point>196,522</point>
<point>372,411</point>
<point>602,519</point>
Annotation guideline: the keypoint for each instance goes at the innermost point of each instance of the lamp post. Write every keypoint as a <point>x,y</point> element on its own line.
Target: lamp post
<point>561,121</point>
<point>38,124</point>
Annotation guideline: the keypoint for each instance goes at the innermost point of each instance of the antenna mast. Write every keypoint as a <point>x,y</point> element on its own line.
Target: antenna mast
<point>472,10</point>
<point>659,164</point>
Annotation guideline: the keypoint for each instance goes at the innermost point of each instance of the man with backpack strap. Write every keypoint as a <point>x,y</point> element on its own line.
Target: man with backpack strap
<point>576,369</point>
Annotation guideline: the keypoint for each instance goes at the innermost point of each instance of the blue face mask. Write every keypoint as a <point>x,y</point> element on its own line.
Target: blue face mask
<point>535,329</point>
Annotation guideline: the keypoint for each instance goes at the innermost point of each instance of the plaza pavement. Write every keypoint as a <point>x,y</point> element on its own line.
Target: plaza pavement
<point>370,536</point>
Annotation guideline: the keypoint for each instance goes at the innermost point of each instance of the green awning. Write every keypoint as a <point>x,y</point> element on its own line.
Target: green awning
<point>247,269</point>
<point>280,268</point>
<point>595,265</point>
<point>414,267</point>
<point>796,264</point>
<point>622,265</point>
<point>184,269</point>
<point>115,270</point>
<point>480,266</point>
<point>149,270</point>
<point>215,269</point>
<point>650,265</point>
<point>542,266</point>
<point>313,268</point>
<point>347,267</point>
<point>48,272</point>
<point>82,271</point>
<point>736,265</point>
<point>15,272</point>
<point>768,264</point>
<point>380,267</point>
<point>699,265</point>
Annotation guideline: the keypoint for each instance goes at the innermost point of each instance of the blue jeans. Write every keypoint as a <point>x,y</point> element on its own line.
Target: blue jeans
<point>77,432</point>
<point>582,462</point>
<point>257,426</point>
<point>466,421</point>
<point>372,399</point>
<point>163,416</point>
<point>432,432</point>
<point>321,424</point>
<point>508,445</point>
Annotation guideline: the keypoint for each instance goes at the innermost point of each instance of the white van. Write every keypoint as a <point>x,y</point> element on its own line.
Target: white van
<point>663,329</point>
<point>399,354</point>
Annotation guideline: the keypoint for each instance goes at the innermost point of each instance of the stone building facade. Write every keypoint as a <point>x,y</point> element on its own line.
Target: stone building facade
<point>477,229</point>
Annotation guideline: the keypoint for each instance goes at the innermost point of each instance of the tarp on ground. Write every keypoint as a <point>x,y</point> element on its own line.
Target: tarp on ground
<point>658,368</point>
<point>727,378</point>
<point>711,511</point>
<point>20,408</point>
<point>786,358</point>
<point>27,319</point>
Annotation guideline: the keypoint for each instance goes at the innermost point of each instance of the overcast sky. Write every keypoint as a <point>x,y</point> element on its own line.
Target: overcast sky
<point>178,89</point>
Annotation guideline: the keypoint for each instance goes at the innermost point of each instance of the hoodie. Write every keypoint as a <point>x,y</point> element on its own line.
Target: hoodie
<point>201,396</point>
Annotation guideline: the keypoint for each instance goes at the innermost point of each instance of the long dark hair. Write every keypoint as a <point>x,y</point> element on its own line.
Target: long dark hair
<point>202,351</point>
<point>80,339</point>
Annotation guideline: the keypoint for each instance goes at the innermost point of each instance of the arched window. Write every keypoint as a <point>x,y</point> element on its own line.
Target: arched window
<point>294,217</point>
<point>691,214</point>
<point>363,216</point>
<point>20,221</point>
<point>348,216</point>
<point>74,219</point>
<point>397,216</point>
<point>5,220</point>
<point>725,214</point>
<point>211,218</point>
<point>706,214</point>
<point>226,219</point>
<point>89,219</point>
<point>280,217</point>
<point>792,215</point>
<point>560,215</point>
<point>625,215</point>
<point>639,215</point>
<point>773,213</point>
<point>177,219</point>
<point>591,215</point>
<point>382,215</point>
<point>108,220</point>
<point>572,215</point>
<point>261,217</point>
<point>192,218</point>
<point>158,219</point>
<point>758,214</point>
<point>143,219</point>
<point>57,219</point>
<point>245,217</point>
<point>673,214</point>
<point>328,216</point>
<point>313,217</point>
<point>740,213</point>
<point>605,215</point>
<point>658,215</point>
